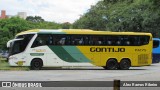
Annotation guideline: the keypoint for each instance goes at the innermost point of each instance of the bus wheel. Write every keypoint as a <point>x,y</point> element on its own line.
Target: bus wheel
<point>36,64</point>
<point>125,64</point>
<point>112,64</point>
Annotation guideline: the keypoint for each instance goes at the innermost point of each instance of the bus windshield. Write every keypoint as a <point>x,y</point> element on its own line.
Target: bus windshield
<point>16,47</point>
<point>19,45</point>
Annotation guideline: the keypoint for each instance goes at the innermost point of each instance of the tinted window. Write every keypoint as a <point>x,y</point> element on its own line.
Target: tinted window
<point>20,45</point>
<point>43,39</point>
<point>95,40</point>
<point>155,43</point>
<point>126,40</point>
<point>60,40</point>
<point>17,47</point>
<point>77,40</point>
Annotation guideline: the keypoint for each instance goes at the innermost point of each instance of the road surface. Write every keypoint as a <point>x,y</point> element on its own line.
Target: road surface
<point>145,73</point>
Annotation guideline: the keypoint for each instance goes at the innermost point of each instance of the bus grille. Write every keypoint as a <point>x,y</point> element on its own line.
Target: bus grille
<point>143,59</point>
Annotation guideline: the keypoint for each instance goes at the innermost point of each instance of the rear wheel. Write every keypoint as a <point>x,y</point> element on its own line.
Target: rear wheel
<point>36,64</point>
<point>112,64</point>
<point>125,64</point>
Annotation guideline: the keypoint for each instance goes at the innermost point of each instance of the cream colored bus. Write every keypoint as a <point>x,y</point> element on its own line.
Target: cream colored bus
<point>80,47</point>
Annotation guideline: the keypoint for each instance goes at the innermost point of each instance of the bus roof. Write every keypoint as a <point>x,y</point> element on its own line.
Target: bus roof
<point>78,31</point>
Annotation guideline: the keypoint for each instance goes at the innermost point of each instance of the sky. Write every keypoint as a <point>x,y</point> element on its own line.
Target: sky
<point>59,11</point>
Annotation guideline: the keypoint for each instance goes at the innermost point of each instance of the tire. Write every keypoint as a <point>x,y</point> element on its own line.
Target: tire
<point>125,64</point>
<point>36,64</point>
<point>112,64</point>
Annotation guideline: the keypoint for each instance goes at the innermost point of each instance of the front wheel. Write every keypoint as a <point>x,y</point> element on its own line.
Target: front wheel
<point>36,64</point>
<point>125,64</point>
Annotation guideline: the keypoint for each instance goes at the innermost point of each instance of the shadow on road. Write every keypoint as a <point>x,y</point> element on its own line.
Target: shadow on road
<point>51,68</point>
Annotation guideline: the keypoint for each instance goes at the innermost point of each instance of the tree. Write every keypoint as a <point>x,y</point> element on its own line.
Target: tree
<point>35,19</point>
<point>66,25</point>
<point>11,26</point>
<point>94,19</point>
<point>4,37</point>
<point>123,15</point>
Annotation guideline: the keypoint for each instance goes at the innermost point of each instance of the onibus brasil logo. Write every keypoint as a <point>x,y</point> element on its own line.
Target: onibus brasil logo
<point>21,84</point>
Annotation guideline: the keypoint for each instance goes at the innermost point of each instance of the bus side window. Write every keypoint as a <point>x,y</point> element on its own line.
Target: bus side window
<point>73,40</point>
<point>126,41</point>
<point>115,41</point>
<point>59,40</point>
<point>77,40</point>
<point>40,40</point>
<point>144,40</point>
<point>97,40</point>
<point>56,40</point>
<point>141,40</point>
<point>81,41</point>
<point>86,40</point>
<point>131,41</point>
<point>108,40</point>
<point>50,40</point>
<point>136,41</point>
<point>101,40</point>
<point>62,41</point>
<point>118,42</point>
<point>94,40</point>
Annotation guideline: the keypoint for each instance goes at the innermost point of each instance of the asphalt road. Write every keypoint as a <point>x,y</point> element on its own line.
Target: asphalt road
<point>145,73</point>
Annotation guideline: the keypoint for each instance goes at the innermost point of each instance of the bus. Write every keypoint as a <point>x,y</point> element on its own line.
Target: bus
<point>156,50</point>
<point>80,47</point>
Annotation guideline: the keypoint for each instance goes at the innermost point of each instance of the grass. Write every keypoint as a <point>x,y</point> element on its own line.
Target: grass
<point>5,66</point>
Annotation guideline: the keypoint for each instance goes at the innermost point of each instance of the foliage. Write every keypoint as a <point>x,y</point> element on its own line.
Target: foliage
<point>123,15</point>
<point>112,15</point>
<point>11,26</point>
<point>35,19</point>
<point>66,25</point>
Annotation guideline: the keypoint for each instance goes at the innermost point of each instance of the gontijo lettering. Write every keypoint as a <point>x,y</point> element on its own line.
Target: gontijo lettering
<point>103,49</point>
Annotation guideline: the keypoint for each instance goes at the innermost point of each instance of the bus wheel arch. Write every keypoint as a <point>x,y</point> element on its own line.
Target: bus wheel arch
<point>111,64</point>
<point>36,64</point>
<point>125,64</point>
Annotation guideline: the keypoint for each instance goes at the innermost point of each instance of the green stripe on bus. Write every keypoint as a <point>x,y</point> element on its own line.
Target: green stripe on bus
<point>62,53</point>
<point>76,53</point>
